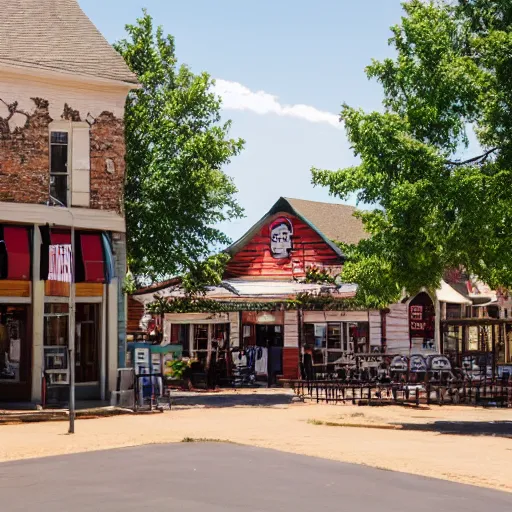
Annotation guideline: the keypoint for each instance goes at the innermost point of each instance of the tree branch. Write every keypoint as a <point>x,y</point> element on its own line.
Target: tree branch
<point>474,159</point>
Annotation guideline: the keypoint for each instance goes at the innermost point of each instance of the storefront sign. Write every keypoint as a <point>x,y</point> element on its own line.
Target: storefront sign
<point>60,265</point>
<point>264,317</point>
<point>416,312</point>
<point>418,326</point>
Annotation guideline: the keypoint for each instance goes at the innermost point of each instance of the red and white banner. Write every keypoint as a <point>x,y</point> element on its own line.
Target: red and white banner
<point>61,264</point>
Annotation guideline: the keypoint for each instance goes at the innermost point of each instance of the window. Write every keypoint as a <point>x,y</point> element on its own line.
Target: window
<point>56,364</point>
<point>14,350</point>
<point>70,164</point>
<point>334,336</point>
<point>59,151</point>
<point>200,338</point>
<point>56,324</point>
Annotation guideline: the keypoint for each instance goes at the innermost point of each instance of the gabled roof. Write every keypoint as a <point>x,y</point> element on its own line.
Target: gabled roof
<point>56,35</point>
<point>331,221</point>
<point>335,221</point>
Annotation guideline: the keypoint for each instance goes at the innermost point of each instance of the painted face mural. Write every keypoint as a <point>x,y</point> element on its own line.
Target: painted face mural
<point>440,363</point>
<point>281,232</point>
<point>418,363</point>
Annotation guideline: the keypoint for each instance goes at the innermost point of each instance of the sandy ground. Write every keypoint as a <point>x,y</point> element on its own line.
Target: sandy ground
<point>484,460</point>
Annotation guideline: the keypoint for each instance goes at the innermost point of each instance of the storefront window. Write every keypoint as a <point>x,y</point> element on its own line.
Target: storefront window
<point>453,339</point>
<point>359,341</point>
<point>56,339</point>
<point>56,324</point>
<point>335,336</point>
<point>14,357</point>
<point>220,335</point>
<point>315,335</point>
<point>87,361</point>
<point>200,338</point>
<point>473,338</point>
<point>508,343</point>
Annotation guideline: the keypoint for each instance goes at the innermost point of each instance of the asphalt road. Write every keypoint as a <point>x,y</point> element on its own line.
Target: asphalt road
<point>201,477</point>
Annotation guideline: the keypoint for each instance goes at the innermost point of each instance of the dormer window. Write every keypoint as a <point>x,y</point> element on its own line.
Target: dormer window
<point>59,151</point>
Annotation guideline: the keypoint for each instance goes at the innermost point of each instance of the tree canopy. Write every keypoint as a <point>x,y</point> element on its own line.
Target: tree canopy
<point>433,210</point>
<point>176,191</point>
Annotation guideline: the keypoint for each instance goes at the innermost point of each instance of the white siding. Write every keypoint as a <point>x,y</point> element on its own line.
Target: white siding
<point>397,329</point>
<point>85,99</point>
<point>234,336</point>
<point>291,329</point>
<point>375,328</point>
<point>335,316</point>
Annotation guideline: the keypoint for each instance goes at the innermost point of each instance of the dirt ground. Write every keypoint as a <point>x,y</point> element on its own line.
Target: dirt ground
<point>468,445</point>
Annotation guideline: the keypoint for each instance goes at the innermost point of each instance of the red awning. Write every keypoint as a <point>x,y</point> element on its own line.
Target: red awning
<point>93,259</point>
<point>17,245</point>
<point>60,237</point>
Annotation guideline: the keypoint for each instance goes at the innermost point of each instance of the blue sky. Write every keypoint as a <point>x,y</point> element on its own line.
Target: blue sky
<point>284,68</point>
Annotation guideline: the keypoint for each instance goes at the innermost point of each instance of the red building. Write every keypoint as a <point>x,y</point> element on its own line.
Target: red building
<point>269,265</point>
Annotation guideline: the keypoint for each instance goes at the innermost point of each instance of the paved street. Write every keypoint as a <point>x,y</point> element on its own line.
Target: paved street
<point>201,477</point>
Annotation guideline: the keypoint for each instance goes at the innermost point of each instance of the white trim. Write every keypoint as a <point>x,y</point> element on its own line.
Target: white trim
<point>65,76</point>
<point>15,300</point>
<point>48,299</point>
<point>81,218</point>
<point>89,300</point>
<point>197,318</point>
<point>103,346</point>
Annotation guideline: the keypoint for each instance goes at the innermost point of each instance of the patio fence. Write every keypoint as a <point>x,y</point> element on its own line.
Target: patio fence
<point>492,393</point>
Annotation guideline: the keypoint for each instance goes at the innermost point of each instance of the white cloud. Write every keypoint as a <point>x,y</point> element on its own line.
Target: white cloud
<point>236,96</point>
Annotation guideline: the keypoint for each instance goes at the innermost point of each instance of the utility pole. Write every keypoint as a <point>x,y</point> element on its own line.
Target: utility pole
<point>71,323</point>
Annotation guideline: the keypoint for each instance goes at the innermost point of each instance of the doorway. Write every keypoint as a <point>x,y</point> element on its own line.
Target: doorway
<point>15,354</point>
<point>87,359</point>
<point>271,337</point>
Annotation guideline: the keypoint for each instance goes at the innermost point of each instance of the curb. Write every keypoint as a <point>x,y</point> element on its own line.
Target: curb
<point>63,415</point>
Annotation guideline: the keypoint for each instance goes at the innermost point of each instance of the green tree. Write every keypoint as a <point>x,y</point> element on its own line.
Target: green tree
<point>176,192</point>
<point>432,210</point>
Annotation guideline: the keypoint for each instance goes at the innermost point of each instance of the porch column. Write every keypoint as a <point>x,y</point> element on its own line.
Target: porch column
<point>291,351</point>
<point>437,326</point>
<point>37,318</point>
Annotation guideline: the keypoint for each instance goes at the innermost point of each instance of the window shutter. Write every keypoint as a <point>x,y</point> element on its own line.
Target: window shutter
<point>81,167</point>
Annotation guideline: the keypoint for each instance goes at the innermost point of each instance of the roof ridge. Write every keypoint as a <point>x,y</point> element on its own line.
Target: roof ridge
<point>320,202</point>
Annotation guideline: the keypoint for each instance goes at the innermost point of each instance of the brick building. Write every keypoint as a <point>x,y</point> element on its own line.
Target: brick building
<point>62,96</point>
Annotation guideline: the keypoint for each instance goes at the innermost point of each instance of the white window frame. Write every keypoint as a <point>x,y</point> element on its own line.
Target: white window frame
<point>69,127</point>
<point>61,126</point>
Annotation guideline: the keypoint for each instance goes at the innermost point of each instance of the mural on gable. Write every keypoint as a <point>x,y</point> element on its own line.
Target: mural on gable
<point>284,247</point>
<point>281,233</point>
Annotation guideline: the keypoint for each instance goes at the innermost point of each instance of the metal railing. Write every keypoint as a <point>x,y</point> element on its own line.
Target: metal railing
<point>497,392</point>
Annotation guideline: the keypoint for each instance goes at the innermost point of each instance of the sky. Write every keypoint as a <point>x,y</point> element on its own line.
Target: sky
<point>283,68</point>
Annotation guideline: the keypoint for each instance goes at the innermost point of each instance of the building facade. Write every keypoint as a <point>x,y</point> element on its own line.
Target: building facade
<point>62,161</point>
<point>271,265</point>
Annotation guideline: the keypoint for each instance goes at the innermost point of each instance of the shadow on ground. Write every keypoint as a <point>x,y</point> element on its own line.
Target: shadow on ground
<point>185,400</point>
<point>465,428</point>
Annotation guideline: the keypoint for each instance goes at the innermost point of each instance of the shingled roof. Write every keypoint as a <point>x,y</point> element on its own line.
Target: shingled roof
<point>57,35</point>
<point>335,221</point>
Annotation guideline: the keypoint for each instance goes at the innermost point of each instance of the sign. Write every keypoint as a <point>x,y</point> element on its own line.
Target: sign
<point>418,326</point>
<point>416,312</point>
<point>60,264</point>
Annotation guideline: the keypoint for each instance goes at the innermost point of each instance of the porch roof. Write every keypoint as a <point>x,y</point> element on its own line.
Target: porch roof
<point>246,289</point>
